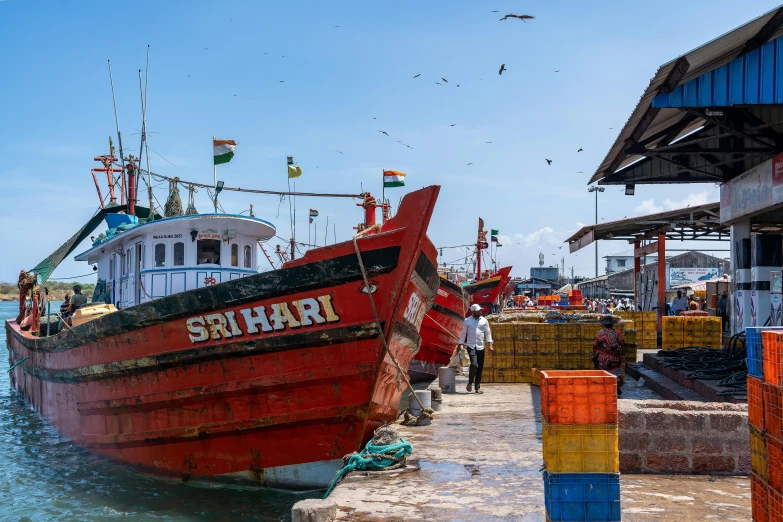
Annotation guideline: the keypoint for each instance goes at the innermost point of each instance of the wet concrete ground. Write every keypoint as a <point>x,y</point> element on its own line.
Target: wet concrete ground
<point>480,460</point>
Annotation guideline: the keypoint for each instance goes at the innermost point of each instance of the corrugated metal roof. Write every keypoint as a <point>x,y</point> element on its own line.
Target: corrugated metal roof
<point>708,57</point>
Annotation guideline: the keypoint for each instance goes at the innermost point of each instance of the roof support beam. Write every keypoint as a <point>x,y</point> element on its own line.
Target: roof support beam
<point>689,169</point>
<point>754,121</point>
<point>665,136</point>
<point>731,129</point>
<point>764,34</point>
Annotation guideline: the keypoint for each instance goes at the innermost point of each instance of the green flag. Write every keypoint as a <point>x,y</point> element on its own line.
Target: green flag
<point>494,232</point>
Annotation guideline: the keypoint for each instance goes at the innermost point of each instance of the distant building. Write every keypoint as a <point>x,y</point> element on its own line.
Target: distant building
<point>535,286</point>
<point>620,283</point>
<point>550,273</point>
<point>623,261</point>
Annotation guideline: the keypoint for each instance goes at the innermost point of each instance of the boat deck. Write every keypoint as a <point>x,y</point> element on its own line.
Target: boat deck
<point>480,460</point>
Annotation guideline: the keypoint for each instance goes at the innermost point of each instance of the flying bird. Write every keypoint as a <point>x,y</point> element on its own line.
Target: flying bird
<point>340,152</point>
<point>581,172</point>
<point>470,163</point>
<point>502,68</point>
<point>235,95</point>
<point>557,70</point>
<point>489,142</point>
<point>548,161</point>
<point>188,76</point>
<point>282,81</point>
<point>383,132</point>
<point>495,11</point>
<point>457,85</point>
<point>438,83</point>
<point>417,75</point>
<point>444,79</point>
<point>407,145</point>
<point>521,17</point>
<point>375,118</point>
<point>453,124</point>
<point>580,149</point>
<point>206,49</point>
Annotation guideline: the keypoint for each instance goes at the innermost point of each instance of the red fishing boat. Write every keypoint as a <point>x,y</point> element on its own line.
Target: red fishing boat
<point>207,370</point>
<point>487,292</point>
<point>440,331</point>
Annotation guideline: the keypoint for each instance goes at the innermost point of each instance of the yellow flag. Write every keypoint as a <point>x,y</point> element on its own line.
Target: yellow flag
<point>294,171</point>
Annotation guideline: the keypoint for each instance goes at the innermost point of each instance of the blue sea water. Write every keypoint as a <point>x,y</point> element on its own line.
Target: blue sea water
<point>44,477</point>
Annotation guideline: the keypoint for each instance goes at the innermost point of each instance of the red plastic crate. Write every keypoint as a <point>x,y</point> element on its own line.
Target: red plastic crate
<point>578,397</point>
<point>773,410</point>
<point>775,463</point>
<point>756,402</point>
<point>772,342</point>
<point>774,506</point>
<point>759,498</point>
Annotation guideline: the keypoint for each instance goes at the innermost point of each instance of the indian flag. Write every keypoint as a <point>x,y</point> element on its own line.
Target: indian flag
<point>313,213</point>
<point>392,178</point>
<point>223,150</point>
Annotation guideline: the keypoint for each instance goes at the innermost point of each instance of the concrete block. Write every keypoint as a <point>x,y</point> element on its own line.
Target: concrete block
<point>743,465</point>
<point>631,420</point>
<point>634,442</point>
<point>713,464</point>
<point>708,446</point>
<point>662,443</point>
<point>314,510</point>
<point>630,463</point>
<point>667,464</point>
<point>728,422</point>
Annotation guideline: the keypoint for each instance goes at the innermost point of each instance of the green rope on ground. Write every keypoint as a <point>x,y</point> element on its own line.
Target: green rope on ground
<point>373,458</point>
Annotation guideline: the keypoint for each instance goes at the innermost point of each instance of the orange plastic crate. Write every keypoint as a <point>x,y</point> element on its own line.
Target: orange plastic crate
<point>756,402</point>
<point>774,506</point>
<point>772,342</point>
<point>773,410</point>
<point>759,498</point>
<point>775,463</point>
<point>578,397</point>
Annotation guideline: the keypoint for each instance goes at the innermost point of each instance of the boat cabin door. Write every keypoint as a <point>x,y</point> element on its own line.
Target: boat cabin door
<point>137,267</point>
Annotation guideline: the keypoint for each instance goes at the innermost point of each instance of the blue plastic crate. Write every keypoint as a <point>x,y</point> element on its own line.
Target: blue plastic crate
<point>582,497</point>
<point>755,349</point>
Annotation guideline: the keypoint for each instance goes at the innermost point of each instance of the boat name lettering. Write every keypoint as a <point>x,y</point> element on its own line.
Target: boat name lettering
<point>296,314</point>
<point>209,235</point>
<point>414,312</point>
<point>167,236</point>
<point>442,292</point>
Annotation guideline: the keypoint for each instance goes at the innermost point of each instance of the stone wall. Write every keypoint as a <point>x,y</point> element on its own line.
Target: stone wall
<point>679,437</point>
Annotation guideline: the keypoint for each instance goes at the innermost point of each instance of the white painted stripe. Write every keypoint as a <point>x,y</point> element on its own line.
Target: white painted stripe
<point>391,179</point>
<point>219,150</point>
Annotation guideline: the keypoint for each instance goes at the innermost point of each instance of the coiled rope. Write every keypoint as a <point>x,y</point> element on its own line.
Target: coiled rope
<point>374,457</point>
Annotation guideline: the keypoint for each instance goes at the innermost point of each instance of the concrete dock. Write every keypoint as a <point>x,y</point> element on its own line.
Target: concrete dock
<point>480,460</point>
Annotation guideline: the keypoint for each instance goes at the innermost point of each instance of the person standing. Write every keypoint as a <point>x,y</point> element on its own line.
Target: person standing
<point>723,309</point>
<point>609,350</point>
<point>475,332</point>
<point>679,303</point>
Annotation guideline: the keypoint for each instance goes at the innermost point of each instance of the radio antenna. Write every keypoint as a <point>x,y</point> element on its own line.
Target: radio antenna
<point>117,122</point>
<point>144,125</point>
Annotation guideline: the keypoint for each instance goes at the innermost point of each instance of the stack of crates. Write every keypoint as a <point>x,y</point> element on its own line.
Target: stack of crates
<point>686,331</point>
<point>580,444</point>
<point>521,347</point>
<point>646,325</point>
<point>765,416</point>
<point>631,346</point>
<point>575,297</point>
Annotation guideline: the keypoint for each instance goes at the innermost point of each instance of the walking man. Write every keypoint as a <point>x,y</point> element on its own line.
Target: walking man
<point>474,330</point>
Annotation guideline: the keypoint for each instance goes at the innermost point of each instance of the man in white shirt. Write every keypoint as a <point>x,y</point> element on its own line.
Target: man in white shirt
<point>679,303</point>
<point>474,330</point>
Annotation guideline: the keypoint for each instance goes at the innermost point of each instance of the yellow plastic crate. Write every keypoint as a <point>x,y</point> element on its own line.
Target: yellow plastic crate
<point>580,448</point>
<point>547,361</point>
<point>535,378</point>
<point>758,452</point>
<point>525,361</point>
<point>569,346</point>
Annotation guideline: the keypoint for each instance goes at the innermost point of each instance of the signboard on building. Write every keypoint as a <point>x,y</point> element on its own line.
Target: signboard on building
<point>684,276</point>
<point>754,191</point>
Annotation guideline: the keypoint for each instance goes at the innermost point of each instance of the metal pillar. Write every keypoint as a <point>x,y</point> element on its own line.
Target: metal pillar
<point>661,279</point>
<point>637,264</point>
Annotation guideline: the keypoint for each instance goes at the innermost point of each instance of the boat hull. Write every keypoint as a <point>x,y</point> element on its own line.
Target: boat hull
<point>440,332</point>
<point>485,293</point>
<point>266,380</point>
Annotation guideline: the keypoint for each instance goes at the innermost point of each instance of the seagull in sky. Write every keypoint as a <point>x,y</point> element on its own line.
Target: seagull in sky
<point>453,124</point>
<point>340,152</point>
<point>206,49</point>
<point>470,163</point>
<point>407,145</point>
<point>489,142</point>
<point>557,70</point>
<point>438,83</point>
<point>444,79</point>
<point>548,161</point>
<point>417,75</point>
<point>383,132</point>
<point>502,68</point>
<point>580,149</point>
<point>521,17</point>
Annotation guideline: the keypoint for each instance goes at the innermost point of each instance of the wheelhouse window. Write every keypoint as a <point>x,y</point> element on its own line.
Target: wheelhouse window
<point>208,252</point>
<point>248,256</point>
<point>160,255</point>
<point>179,254</point>
<point>234,255</point>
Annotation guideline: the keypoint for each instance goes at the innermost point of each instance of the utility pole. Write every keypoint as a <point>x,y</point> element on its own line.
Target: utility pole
<point>596,189</point>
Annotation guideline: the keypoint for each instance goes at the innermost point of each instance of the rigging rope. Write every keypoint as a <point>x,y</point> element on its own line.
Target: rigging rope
<point>254,191</point>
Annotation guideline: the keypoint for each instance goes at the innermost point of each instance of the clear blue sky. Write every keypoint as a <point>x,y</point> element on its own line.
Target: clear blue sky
<point>56,109</point>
